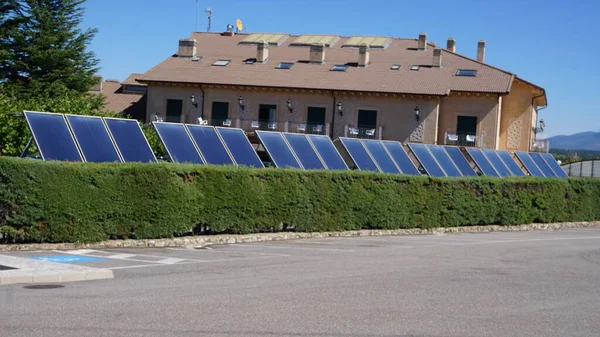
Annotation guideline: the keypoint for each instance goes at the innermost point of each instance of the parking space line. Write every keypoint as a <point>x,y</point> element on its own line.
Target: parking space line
<point>292,247</point>
<point>120,256</point>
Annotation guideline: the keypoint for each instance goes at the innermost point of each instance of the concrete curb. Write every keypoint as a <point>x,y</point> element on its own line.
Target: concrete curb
<point>33,271</point>
<point>260,237</point>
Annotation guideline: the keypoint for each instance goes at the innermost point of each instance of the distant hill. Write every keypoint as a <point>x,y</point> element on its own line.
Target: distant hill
<point>579,141</point>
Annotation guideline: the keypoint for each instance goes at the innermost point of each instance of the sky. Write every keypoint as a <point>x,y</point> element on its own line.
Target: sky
<point>550,43</point>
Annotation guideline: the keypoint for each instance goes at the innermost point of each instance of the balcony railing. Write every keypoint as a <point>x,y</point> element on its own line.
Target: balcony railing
<point>362,132</point>
<point>461,139</point>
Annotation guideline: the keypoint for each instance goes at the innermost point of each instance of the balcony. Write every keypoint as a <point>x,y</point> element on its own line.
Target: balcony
<point>461,139</point>
<point>362,132</point>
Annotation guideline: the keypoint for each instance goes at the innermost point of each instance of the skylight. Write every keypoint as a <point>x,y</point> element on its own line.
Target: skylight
<point>395,67</point>
<point>415,67</point>
<point>285,65</point>
<point>250,61</point>
<point>466,72</point>
<point>339,67</point>
<point>221,63</point>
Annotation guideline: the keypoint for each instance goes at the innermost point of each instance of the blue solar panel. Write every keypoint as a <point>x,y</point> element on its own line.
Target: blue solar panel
<point>510,163</point>
<point>461,162</point>
<point>278,149</point>
<point>178,143</point>
<point>93,139</point>
<point>444,161</point>
<point>397,152</point>
<point>529,164</point>
<point>481,161</point>
<point>304,151</point>
<point>130,140</point>
<point>359,154</point>
<point>551,161</point>
<point>52,136</point>
<point>498,164</point>
<point>239,146</point>
<point>331,157</point>
<point>541,163</point>
<point>210,145</point>
<point>426,160</point>
<point>382,158</point>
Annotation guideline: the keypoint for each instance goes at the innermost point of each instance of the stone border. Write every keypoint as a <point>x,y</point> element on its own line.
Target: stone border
<point>260,237</point>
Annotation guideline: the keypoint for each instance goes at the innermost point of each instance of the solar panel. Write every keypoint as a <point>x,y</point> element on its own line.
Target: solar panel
<point>177,142</point>
<point>381,156</point>
<point>304,151</point>
<point>510,163</point>
<point>52,136</point>
<point>325,148</point>
<point>398,154</point>
<point>359,155</point>
<point>130,140</point>
<point>481,161</point>
<point>498,164</point>
<point>444,161</point>
<point>93,139</point>
<point>278,149</point>
<point>461,162</point>
<point>210,145</point>
<point>541,163</point>
<point>239,146</point>
<point>427,160</point>
<point>549,158</point>
<point>529,164</point>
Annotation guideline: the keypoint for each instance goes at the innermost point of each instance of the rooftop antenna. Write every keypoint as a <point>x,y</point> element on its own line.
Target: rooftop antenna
<point>209,12</point>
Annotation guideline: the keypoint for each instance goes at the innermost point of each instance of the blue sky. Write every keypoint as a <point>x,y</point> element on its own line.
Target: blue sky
<point>550,43</point>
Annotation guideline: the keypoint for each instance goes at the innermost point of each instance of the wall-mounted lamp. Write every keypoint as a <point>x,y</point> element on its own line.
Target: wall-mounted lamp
<point>340,109</point>
<point>193,99</point>
<point>417,114</point>
<point>241,103</point>
<point>289,106</point>
<point>542,125</point>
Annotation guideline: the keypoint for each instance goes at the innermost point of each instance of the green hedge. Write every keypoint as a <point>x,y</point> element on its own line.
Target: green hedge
<point>74,202</point>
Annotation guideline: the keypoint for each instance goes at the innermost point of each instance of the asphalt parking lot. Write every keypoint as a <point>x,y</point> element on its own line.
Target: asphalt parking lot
<point>544,283</point>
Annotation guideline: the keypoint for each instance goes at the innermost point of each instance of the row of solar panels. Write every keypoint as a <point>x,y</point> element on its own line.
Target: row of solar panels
<point>96,139</point>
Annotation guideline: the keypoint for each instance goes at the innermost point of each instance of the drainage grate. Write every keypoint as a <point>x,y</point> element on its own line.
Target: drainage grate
<point>44,286</point>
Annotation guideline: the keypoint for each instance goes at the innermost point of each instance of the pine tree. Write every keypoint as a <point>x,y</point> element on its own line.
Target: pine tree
<point>10,21</point>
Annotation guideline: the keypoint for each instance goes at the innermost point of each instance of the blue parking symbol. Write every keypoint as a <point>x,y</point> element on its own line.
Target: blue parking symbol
<point>66,258</point>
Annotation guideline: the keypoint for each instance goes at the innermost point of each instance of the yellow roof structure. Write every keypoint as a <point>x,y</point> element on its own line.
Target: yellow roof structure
<point>379,42</point>
<point>272,39</point>
<point>307,40</point>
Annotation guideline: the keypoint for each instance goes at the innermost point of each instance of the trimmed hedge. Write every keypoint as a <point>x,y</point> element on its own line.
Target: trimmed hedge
<point>84,202</point>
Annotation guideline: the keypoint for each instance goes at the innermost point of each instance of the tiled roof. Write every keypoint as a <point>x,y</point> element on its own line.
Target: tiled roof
<point>377,77</point>
<point>117,101</point>
<point>131,80</point>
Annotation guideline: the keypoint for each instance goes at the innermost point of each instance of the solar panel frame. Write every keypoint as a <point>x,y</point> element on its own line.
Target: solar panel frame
<point>331,147</point>
<point>460,161</point>
<point>149,148</point>
<point>226,129</point>
<point>68,117</point>
<point>405,159</point>
<point>510,162</point>
<point>541,163</point>
<point>415,149</point>
<point>497,163</point>
<point>380,163</point>
<point>205,155</point>
<point>348,141</point>
<point>551,161</point>
<point>174,158</point>
<point>262,136</point>
<point>300,156</point>
<point>482,162</point>
<point>29,122</point>
<point>529,164</point>
<point>440,154</point>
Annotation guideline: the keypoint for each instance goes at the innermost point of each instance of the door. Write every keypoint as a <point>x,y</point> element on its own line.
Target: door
<point>367,123</point>
<point>174,110</point>
<point>266,116</point>
<point>315,120</point>
<point>219,113</point>
<point>466,126</point>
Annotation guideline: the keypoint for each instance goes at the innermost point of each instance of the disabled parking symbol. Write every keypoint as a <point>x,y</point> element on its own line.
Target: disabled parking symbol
<point>66,258</point>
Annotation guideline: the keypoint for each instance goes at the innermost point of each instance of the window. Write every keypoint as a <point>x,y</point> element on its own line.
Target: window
<point>250,61</point>
<point>395,67</point>
<point>339,67</point>
<point>367,122</point>
<point>466,72</point>
<point>415,68</point>
<point>315,120</point>
<point>219,113</point>
<point>285,65</point>
<point>221,63</point>
<point>174,109</point>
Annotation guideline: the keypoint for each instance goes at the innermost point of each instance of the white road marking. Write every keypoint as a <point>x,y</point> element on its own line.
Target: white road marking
<point>251,245</point>
<point>77,251</point>
<point>191,262</point>
<point>170,260</point>
<point>120,256</point>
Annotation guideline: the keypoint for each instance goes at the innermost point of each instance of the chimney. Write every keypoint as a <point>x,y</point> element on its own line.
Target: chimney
<point>437,58</point>
<point>262,52</point>
<point>187,48</point>
<point>451,45</point>
<point>422,41</point>
<point>317,53</point>
<point>481,51</point>
<point>363,55</point>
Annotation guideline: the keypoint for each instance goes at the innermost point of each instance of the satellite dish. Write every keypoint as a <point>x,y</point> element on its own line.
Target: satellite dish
<point>239,25</point>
